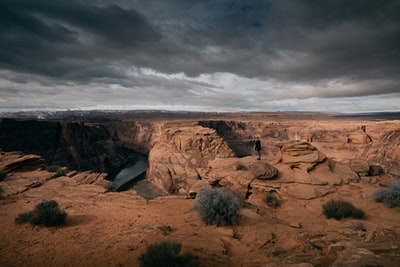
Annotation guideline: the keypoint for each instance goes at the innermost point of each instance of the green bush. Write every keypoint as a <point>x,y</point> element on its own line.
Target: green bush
<point>52,168</point>
<point>46,213</point>
<point>218,206</point>
<point>60,172</point>
<point>389,195</point>
<point>3,175</point>
<point>272,200</point>
<point>339,209</point>
<point>240,166</point>
<point>166,254</point>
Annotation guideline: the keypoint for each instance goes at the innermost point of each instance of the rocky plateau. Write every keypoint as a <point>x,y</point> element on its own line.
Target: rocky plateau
<point>306,160</point>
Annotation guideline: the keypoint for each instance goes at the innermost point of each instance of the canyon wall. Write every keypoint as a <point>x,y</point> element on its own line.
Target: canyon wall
<point>76,145</point>
<point>79,146</point>
<point>106,147</point>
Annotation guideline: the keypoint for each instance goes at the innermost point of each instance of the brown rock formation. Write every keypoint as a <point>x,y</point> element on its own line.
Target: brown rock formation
<point>21,162</point>
<point>136,135</point>
<point>360,166</point>
<point>385,151</point>
<point>300,152</point>
<point>179,152</point>
<point>263,170</point>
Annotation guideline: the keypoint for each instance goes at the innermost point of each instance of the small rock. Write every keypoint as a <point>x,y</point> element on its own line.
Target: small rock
<point>296,225</point>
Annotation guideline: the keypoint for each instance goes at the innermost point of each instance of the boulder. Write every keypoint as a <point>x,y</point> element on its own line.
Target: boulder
<point>360,166</point>
<point>263,170</point>
<point>300,152</point>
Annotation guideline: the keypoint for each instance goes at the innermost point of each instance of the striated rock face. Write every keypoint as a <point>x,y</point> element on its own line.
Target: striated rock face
<point>300,152</point>
<point>386,152</point>
<point>179,152</point>
<point>22,162</point>
<point>137,135</point>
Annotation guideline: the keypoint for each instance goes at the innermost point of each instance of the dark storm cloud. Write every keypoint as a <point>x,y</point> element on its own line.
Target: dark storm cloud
<point>57,38</point>
<point>328,49</point>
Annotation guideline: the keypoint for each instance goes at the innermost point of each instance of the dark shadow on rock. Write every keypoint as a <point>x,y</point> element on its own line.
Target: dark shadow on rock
<point>75,220</point>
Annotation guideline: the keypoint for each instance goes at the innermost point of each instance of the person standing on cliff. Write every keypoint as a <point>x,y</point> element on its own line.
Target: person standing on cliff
<point>257,147</point>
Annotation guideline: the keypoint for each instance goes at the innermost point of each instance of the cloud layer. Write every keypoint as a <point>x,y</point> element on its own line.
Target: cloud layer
<point>204,55</point>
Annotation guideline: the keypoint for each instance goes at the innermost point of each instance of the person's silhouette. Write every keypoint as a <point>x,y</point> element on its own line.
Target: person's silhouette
<point>257,147</point>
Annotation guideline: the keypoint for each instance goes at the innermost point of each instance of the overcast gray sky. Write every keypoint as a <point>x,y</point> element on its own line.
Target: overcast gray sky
<point>208,55</point>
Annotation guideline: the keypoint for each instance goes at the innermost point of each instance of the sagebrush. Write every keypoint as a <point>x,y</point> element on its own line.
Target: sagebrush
<point>166,254</point>
<point>218,206</point>
<point>339,209</point>
<point>60,172</point>
<point>389,195</point>
<point>240,166</point>
<point>3,175</point>
<point>52,168</point>
<point>47,213</point>
<point>272,200</point>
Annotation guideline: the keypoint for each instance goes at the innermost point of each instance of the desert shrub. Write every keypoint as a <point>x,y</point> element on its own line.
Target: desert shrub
<point>46,213</point>
<point>389,195</point>
<point>240,166</point>
<point>3,175</point>
<point>60,172</point>
<point>110,187</point>
<point>166,254</point>
<point>339,209</point>
<point>52,168</point>
<point>272,200</point>
<point>218,206</point>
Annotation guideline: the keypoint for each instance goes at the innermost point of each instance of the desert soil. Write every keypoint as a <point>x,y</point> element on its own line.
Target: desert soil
<point>114,228</point>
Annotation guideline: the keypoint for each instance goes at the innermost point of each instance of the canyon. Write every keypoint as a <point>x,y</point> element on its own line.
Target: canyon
<point>306,159</point>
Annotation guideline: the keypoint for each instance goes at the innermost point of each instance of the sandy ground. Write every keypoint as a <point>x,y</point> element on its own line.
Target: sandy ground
<point>113,229</point>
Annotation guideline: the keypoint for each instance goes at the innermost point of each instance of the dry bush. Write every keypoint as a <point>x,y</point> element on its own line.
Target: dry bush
<point>3,175</point>
<point>389,195</point>
<point>47,213</point>
<point>166,254</point>
<point>240,166</point>
<point>110,187</point>
<point>339,209</point>
<point>218,206</point>
<point>272,200</point>
<point>52,168</point>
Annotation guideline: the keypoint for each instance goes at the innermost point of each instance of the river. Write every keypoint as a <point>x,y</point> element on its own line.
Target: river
<point>131,172</point>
